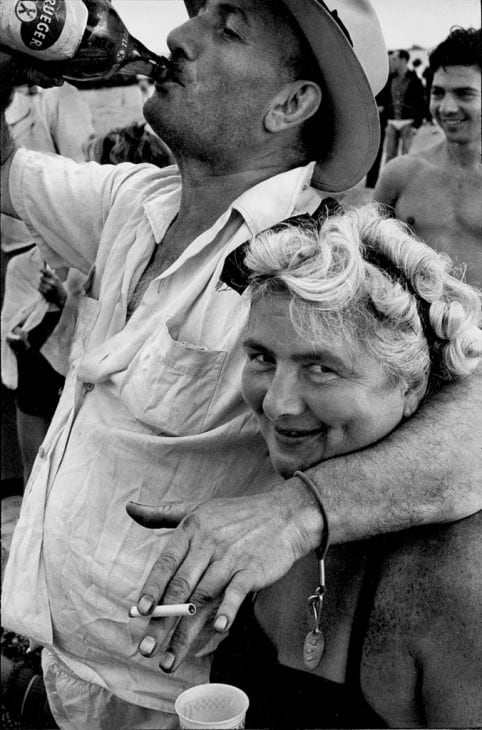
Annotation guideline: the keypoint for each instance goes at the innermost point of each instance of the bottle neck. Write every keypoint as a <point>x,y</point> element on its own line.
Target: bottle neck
<point>135,58</point>
<point>154,69</point>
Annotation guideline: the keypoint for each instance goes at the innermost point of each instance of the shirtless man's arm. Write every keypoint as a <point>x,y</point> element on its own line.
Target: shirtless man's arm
<point>450,649</point>
<point>422,658</point>
<point>393,178</point>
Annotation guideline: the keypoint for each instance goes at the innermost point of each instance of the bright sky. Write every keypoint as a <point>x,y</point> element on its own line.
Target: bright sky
<point>404,22</point>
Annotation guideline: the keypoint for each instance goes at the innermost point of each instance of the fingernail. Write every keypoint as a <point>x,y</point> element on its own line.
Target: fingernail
<point>166,661</point>
<point>145,604</point>
<point>147,646</point>
<point>221,623</point>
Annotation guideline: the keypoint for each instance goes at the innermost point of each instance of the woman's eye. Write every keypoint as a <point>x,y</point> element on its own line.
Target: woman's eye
<point>320,372</point>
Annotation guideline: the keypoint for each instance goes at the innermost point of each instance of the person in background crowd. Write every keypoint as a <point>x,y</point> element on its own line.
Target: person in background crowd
<point>37,328</point>
<point>416,65</point>
<point>153,411</point>
<point>59,121</point>
<point>438,190</point>
<point>405,110</point>
<point>146,87</point>
<point>354,323</point>
<point>427,81</point>
<point>383,103</point>
<point>133,143</point>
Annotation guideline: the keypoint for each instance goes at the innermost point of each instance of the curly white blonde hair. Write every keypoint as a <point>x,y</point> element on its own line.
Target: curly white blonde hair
<point>363,278</point>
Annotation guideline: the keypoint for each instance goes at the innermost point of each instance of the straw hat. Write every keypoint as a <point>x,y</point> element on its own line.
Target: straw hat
<point>353,70</point>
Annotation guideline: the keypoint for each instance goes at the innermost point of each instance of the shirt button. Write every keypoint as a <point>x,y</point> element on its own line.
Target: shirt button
<point>42,452</point>
<point>88,387</point>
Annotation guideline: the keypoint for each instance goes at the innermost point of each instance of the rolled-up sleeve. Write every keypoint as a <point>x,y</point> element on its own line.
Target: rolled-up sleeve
<point>64,204</point>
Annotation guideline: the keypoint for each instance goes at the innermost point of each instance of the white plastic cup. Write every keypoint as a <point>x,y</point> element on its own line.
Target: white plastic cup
<point>212,706</point>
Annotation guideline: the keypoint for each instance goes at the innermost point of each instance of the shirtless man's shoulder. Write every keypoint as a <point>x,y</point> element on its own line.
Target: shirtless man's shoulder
<point>422,657</point>
<point>401,171</point>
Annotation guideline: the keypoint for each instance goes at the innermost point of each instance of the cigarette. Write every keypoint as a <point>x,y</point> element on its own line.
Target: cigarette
<point>175,609</point>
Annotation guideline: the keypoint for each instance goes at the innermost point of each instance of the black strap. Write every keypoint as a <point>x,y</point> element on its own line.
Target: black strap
<point>236,275</point>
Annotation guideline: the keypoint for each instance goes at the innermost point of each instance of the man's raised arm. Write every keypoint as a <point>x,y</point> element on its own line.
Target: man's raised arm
<point>13,73</point>
<point>8,149</point>
<point>7,144</point>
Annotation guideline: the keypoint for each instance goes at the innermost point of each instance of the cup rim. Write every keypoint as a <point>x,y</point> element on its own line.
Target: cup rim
<point>211,686</point>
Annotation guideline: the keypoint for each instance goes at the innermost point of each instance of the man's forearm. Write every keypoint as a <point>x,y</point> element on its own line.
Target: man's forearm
<point>428,470</point>
<point>15,72</point>
<point>425,472</point>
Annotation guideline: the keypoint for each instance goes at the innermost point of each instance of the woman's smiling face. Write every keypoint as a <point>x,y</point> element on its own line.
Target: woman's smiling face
<point>313,400</point>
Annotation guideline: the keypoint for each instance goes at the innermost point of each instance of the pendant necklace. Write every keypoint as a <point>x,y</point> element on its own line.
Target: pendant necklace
<point>314,644</point>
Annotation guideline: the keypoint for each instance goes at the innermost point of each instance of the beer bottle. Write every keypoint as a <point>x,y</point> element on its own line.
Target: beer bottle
<point>77,39</point>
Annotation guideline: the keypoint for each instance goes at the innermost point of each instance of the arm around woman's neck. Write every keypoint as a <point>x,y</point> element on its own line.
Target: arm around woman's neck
<point>427,471</point>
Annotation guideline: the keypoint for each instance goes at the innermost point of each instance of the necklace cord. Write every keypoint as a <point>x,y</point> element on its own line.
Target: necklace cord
<point>322,549</point>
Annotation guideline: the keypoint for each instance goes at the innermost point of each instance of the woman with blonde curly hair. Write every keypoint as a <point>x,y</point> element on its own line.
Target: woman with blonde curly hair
<point>354,322</point>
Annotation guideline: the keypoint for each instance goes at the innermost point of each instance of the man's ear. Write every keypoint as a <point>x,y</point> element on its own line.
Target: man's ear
<point>293,105</point>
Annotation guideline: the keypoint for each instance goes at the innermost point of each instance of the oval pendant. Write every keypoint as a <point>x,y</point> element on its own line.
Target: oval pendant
<point>313,649</point>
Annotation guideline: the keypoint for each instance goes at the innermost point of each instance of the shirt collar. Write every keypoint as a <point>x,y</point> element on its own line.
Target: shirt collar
<point>276,198</point>
<point>261,206</point>
<point>164,204</point>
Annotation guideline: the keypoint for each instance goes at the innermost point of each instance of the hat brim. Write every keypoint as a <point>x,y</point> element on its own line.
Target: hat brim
<point>351,126</point>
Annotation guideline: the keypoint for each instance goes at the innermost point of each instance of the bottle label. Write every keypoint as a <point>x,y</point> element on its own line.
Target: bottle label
<point>50,30</point>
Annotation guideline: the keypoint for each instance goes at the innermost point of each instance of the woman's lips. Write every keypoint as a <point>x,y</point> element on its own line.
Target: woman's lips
<point>296,434</point>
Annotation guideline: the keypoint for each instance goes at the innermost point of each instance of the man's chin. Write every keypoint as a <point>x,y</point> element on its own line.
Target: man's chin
<point>153,116</point>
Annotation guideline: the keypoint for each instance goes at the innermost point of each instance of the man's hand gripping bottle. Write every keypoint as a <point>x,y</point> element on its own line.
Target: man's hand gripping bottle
<point>77,39</point>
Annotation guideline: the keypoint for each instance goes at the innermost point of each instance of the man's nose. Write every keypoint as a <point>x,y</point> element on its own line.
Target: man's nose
<point>184,40</point>
<point>283,397</point>
<point>448,104</point>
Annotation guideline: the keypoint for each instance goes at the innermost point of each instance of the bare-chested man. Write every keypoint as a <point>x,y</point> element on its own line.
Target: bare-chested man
<point>438,191</point>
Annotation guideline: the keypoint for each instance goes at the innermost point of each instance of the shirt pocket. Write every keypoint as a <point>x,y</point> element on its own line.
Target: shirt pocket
<point>170,385</point>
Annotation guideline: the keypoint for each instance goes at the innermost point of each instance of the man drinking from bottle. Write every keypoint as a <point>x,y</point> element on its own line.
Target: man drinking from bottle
<point>265,105</point>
